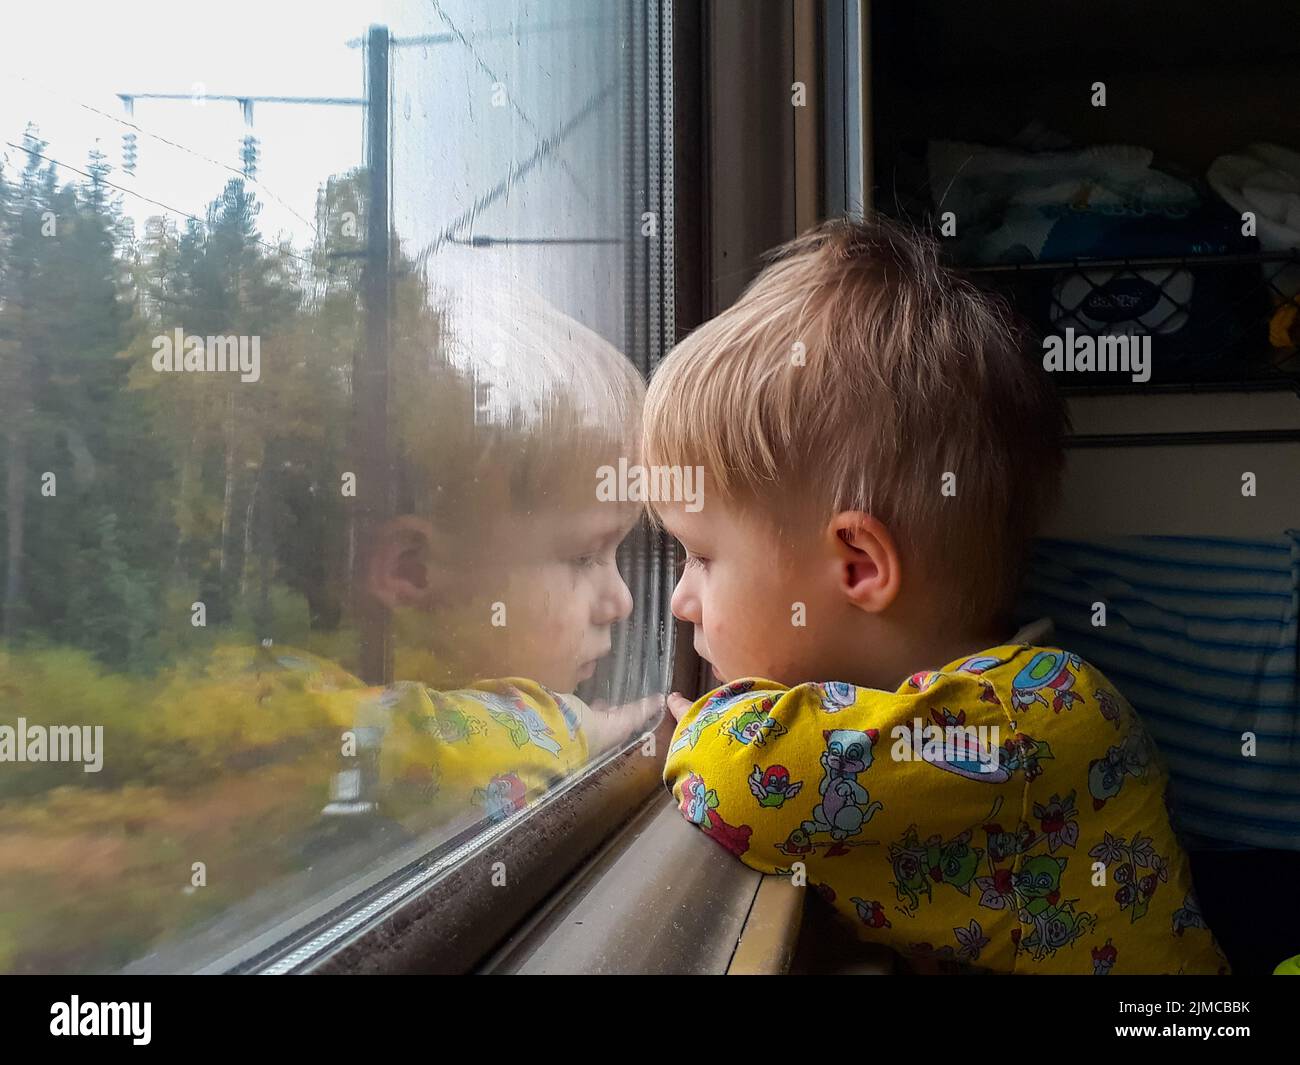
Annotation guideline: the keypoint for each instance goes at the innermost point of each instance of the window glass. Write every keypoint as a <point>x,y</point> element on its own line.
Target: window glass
<point>320,328</point>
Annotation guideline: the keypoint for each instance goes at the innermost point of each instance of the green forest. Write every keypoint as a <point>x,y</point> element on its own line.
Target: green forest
<point>131,495</point>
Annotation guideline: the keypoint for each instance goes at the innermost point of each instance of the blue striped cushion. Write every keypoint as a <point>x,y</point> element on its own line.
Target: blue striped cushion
<point>1200,635</point>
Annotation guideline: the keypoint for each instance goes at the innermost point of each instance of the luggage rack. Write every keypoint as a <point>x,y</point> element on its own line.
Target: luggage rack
<point>1283,374</point>
<point>1188,439</point>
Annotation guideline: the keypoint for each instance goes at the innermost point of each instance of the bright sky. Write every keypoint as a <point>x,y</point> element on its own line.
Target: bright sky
<point>55,59</point>
<point>451,141</point>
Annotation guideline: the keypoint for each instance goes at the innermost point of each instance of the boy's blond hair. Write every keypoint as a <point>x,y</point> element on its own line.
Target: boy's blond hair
<point>854,373</point>
<point>513,413</point>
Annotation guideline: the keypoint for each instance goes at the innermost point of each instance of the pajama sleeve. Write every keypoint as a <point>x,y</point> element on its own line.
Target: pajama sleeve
<point>825,779</point>
<point>482,752</point>
<point>1005,812</point>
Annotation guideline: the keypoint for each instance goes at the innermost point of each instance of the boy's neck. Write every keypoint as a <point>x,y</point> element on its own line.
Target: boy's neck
<point>895,659</point>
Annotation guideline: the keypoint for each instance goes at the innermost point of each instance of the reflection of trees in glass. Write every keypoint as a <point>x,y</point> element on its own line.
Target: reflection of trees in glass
<point>181,487</point>
<point>170,488</point>
<point>164,484</point>
<point>63,410</point>
<point>254,499</point>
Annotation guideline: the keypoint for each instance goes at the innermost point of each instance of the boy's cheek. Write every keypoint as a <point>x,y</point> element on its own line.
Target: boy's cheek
<point>734,649</point>
<point>774,648</point>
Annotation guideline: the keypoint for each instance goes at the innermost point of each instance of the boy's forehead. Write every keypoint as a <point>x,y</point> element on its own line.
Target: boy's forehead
<point>717,523</point>
<point>594,524</point>
<point>686,524</point>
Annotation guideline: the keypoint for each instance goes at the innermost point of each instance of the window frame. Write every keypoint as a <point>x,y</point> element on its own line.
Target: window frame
<point>440,916</point>
<point>436,913</point>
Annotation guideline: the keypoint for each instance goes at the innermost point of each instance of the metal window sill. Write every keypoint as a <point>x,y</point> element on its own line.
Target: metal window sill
<point>659,898</point>
<point>663,898</point>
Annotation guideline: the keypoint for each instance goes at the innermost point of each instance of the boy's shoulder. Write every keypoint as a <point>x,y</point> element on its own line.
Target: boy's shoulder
<point>1041,689</point>
<point>1031,676</point>
<point>1050,686</point>
<point>1011,685</point>
<point>1027,675</point>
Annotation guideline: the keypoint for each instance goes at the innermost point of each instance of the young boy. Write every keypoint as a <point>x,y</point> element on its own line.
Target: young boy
<point>500,575</point>
<point>877,451</point>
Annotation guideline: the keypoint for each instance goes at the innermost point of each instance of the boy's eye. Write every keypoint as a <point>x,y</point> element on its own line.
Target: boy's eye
<point>586,561</point>
<point>693,561</point>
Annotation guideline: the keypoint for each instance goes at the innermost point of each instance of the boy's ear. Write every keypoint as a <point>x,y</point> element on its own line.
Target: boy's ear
<point>866,560</point>
<point>401,567</point>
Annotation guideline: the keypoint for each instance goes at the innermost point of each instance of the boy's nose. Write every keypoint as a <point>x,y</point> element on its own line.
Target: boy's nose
<point>615,601</point>
<point>685,606</point>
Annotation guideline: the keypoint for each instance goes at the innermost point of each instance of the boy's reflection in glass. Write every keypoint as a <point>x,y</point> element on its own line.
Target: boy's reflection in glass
<point>501,579</point>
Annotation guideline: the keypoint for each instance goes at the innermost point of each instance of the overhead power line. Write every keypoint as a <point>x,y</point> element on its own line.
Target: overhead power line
<point>278,249</point>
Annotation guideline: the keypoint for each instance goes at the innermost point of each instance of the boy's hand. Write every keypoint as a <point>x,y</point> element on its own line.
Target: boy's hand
<point>607,726</point>
<point>678,705</point>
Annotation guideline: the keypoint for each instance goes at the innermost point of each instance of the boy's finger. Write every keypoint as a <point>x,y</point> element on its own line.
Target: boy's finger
<point>678,705</point>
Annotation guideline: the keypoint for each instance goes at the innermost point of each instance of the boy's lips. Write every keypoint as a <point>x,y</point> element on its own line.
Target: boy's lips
<point>712,668</point>
<point>588,665</point>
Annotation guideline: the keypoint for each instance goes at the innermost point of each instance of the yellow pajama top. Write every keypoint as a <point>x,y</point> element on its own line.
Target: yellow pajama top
<point>1005,812</point>
<point>494,747</point>
<point>414,753</point>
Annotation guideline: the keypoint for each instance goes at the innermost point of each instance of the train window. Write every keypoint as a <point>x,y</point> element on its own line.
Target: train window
<point>316,344</point>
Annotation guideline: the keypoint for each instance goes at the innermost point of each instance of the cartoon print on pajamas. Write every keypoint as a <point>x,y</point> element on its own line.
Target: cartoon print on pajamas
<point>505,794</point>
<point>925,680</point>
<point>972,940</point>
<point>451,724</point>
<point>771,787</point>
<point>1047,672</point>
<point>871,913</point>
<point>710,713</point>
<point>1138,871</point>
<point>1188,915</point>
<point>570,715</point>
<point>971,759</point>
<point>522,722</point>
<point>755,725</point>
<point>1109,705</point>
<point>918,865</point>
<point>1103,958</point>
<point>796,844</point>
<point>846,806</point>
<point>1055,922</point>
<point>1129,758</point>
<point>978,664</point>
<point>699,805</point>
<point>910,861</point>
<point>836,695</point>
<point>1024,753</point>
<point>1057,827</point>
<point>1033,890</point>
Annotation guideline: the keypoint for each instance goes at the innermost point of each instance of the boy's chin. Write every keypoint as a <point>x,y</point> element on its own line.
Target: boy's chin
<point>565,679</point>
